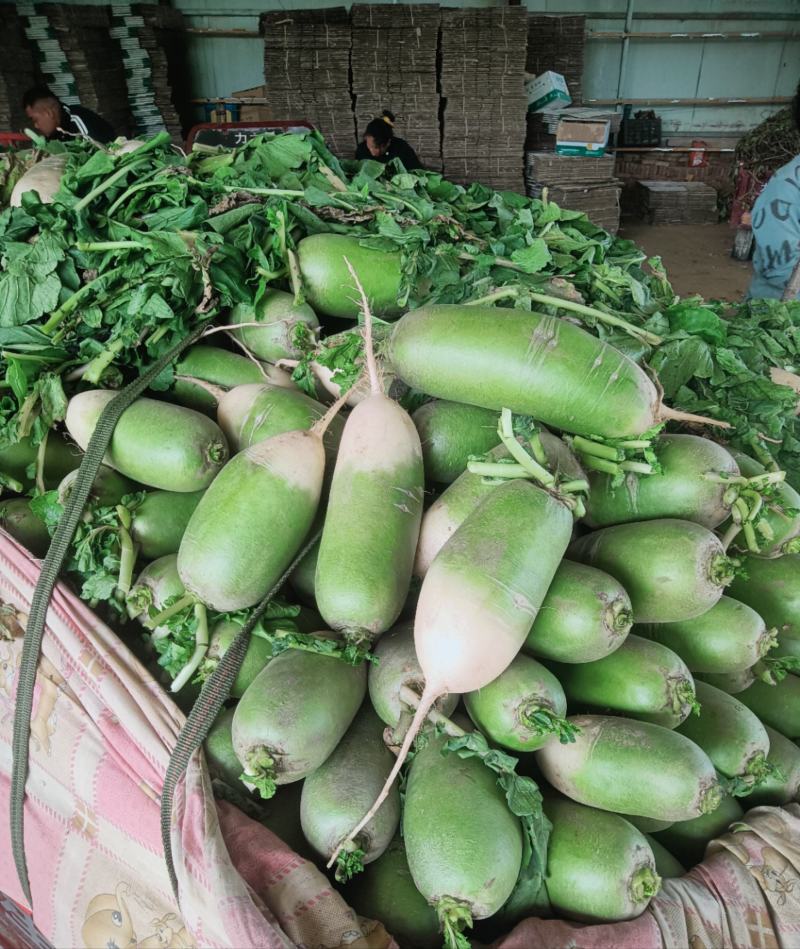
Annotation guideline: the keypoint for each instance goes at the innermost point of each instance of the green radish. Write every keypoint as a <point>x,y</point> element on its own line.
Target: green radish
<point>667,866</point>
<point>398,666</point>
<point>673,570</point>
<point>521,708</point>
<point>60,457</point>
<point>302,577</point>
<point>641,679</point>
<point>691,484</point>
<point>732,737</point>
<point>204,373</point>
<point>730,682</point>
<point>782,786</point>
<point>157,583</point>
<point>327,281</point>
<point>17,519</point>
<point>366,551</point>
<point>278,317</point>
<point>463,843</point>
<point>450,433</point>
<point>386,891</point>
<point>688,839</point>
<point>778,527</point>
<point>156,443</point>
<point>450,509</point>
<point>730,637</point>
<point>631,767</point>
<point>530,363</point>
<point>339,791</point>
<point>293,715</point>
<point>252,413</point>
<point>159,522</point>
<point>772,588</point>
<point>480,596</point>
<point>776,705</point>
<point>600,868</point>
<point>218,748</point>
<point>585,616</point>
<point>648,825</point>
<point>253,519</point>
<point>109,487</point>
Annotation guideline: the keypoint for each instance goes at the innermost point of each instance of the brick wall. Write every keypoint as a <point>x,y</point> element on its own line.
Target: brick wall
<point>674,166</point>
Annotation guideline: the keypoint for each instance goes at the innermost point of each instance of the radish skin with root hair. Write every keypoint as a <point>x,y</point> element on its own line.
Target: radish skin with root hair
<point>480,597</point>
<point>365,560</point>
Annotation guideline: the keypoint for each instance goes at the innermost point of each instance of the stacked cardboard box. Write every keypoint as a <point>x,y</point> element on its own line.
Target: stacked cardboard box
<point>161,37</point>
<point>53,62</point>
<point>676,202</point>
<point>18,68</point>
<point>675,166</point>
<point>554,43</point>
<point>94,59</point>
<point>576,183</point>
<point>394,51</point>
<point>307,71</point>
<point>482,77</point>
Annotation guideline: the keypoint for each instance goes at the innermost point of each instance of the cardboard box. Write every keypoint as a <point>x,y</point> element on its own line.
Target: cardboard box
<point>253,113</point>
<point>547,92</point>
<point>584,138</point>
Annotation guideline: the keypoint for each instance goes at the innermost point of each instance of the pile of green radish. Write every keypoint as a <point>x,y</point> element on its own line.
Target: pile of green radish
<point>627,631</point>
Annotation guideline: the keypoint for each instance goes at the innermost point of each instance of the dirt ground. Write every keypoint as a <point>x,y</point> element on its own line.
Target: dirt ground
<point>697,257</point>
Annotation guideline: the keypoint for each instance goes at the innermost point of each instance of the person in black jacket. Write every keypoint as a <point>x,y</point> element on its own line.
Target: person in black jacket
<point>381,144</point>
<point>56,121</point>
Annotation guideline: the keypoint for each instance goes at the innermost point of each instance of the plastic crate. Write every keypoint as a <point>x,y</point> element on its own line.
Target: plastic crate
<point>643,132</point>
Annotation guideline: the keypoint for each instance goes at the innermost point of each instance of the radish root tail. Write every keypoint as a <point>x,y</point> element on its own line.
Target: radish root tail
<point>425,704</point>
<point>666,414</point>
<point>372,366</point>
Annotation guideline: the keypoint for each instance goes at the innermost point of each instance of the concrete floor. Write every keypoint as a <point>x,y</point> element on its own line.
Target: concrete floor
<point>697,257</point>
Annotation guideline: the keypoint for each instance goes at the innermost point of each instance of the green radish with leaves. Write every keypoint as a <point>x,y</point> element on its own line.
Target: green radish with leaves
<point>159,522</point>
<point>782,785</point>
<point>632,767</point>
<point>522,708</point>
<point>687,840</point>
<point>451,433</point>
<point>732,737</point>
<point>772,588</point>
<point>278,317</point>
<point>279,738</point>
<point>730,637</point>
<point>218,748</point>
<point>327,281</point>
<point>397,666</point>
<point>452,507</point>
<point>479,597</point>
<point>777,518</point>
<point>641,679</point>
<point>528,362</point>
<point>204,374</point>
<point>338,792</point>
<point>667,866</point>
<point>672,570</point>
<point>108,488</point>
<point>463,843</point>
<point>363,574</point>
<point>585,616</point>
<point>17,519</point>
<point>600,868</point>
<point>692,482</point>
<point>158,582</point>
<point>158,444</point>
<point>24,466</point>
<point>776,705</point>
<point>386,891</point>
<point>253,413</point>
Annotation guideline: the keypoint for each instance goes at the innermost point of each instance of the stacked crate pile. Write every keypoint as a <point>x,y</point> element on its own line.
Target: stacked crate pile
<point>675,202</point>
<point>482,79</point>
<point>18,68</point>
<point>578,184</point>
<point>307,71</point>
<point>555,44</point>
<point>94,58</point>
<point>394,52</point>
